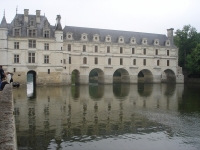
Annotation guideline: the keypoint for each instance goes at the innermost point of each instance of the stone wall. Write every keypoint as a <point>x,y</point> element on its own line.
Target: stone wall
<point>7,120</point>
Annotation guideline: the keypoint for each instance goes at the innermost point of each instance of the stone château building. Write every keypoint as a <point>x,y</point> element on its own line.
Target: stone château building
<point>29,44</point>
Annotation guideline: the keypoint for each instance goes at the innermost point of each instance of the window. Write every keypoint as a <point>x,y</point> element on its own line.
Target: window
<point>158,63</point>
<point>61,61</point>
<point>121,50</point>
<point>61,37</point>
<point>64,61</point>
<point>144,62</point>
<point>48,71</point>
<point>31,57</point>
<point>31,23</point>
<point>69,47</point>
<point>108,49</point>
<point>156,52</point>
<point>16,58</point>
<point>69,60</point>
<point>84,48</point>
<point>121,61</point>
<point>46,46</point>
<point>32,33</point>
<point>17,31</point>
<point>61,48</point>
<point>167,52</point>
<point>95,60</point>
<point>144,51</point>
<point>134,61</point>
<point>16,45</point>
<point>32,43</point>
<point>133,50</point>
<point>96,49</point>
<point>84,60</point>
<point>46,34</point>
<point>46,59</point>
<point>167,62</point>
<point>109,61</point>
<point>14,69</point>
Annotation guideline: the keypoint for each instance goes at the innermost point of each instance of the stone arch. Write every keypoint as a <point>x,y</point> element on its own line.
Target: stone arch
<point>75,77</point>
<point>145,76</point>
<point>31,84</point>
<point>168,76</point>
<point>96,75</point>
<point>121,75</point>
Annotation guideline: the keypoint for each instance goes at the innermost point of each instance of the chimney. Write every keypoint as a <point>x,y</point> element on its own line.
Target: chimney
<point>58,19</point>
<point>170,34</point>
<point>37,16</point>
<point>26,15</point>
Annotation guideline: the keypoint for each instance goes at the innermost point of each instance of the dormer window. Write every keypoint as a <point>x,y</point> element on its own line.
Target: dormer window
<point>133,40</point>
<point>31,32</point>
<point>31,23</point>
<point>96,37</point>
<point>69,36</point>
<point>46,34</point>
<point>121,39</point>
<point>167,43</point>
<point>17,32</point>
<point>84,37</point>
<point>156,42</point>
<point>108,38</point>
<point>144,41</point>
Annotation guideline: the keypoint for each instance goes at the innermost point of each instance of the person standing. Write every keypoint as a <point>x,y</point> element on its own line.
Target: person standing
<point>2,74</point>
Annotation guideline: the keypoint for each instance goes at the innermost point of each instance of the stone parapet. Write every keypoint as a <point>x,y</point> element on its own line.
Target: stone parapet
<point>7,120</point>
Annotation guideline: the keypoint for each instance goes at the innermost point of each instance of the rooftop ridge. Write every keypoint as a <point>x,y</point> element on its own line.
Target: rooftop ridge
<point>113,30</point>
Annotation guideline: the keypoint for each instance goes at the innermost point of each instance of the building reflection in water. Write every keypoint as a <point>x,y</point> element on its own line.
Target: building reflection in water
<point>81,113</point>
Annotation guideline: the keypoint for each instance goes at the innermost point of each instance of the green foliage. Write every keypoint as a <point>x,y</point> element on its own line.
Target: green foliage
<point>193,62</point>
<point>186,40</point>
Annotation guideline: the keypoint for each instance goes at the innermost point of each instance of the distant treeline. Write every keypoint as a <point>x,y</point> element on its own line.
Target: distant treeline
<point>188,42</point>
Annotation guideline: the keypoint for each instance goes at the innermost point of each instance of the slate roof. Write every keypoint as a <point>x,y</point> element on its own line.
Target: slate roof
<point>59,27</point>
<point>115,34</point>
<point>3,23</point>
<point>78,31</point>
<point>24,25</point>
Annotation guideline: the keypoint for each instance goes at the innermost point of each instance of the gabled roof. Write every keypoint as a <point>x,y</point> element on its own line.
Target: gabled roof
<point>3,23</point>
<point>23,25</point>
<point>115,34</point>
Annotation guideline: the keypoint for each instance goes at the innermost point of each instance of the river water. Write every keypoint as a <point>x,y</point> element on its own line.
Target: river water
<point>108,117</point>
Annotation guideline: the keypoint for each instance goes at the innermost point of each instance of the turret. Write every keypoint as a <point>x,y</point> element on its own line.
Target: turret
<point>58,31</point>
<point>3,41</point>
<point>59,42</point>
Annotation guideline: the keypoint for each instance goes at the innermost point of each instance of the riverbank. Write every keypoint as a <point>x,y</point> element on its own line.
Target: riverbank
<point>7,120</point>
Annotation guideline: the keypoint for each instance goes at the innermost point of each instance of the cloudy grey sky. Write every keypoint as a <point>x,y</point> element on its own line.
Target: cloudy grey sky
<point>152,16</point>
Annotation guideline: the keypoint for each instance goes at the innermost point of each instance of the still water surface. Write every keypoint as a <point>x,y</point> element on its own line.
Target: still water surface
<point>108,117</point>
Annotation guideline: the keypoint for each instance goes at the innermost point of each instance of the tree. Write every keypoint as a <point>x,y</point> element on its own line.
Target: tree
<point>193,62</point>
<point>186,40</point>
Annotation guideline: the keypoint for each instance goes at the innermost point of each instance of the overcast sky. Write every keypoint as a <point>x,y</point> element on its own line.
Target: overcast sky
<point>151,16</point>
